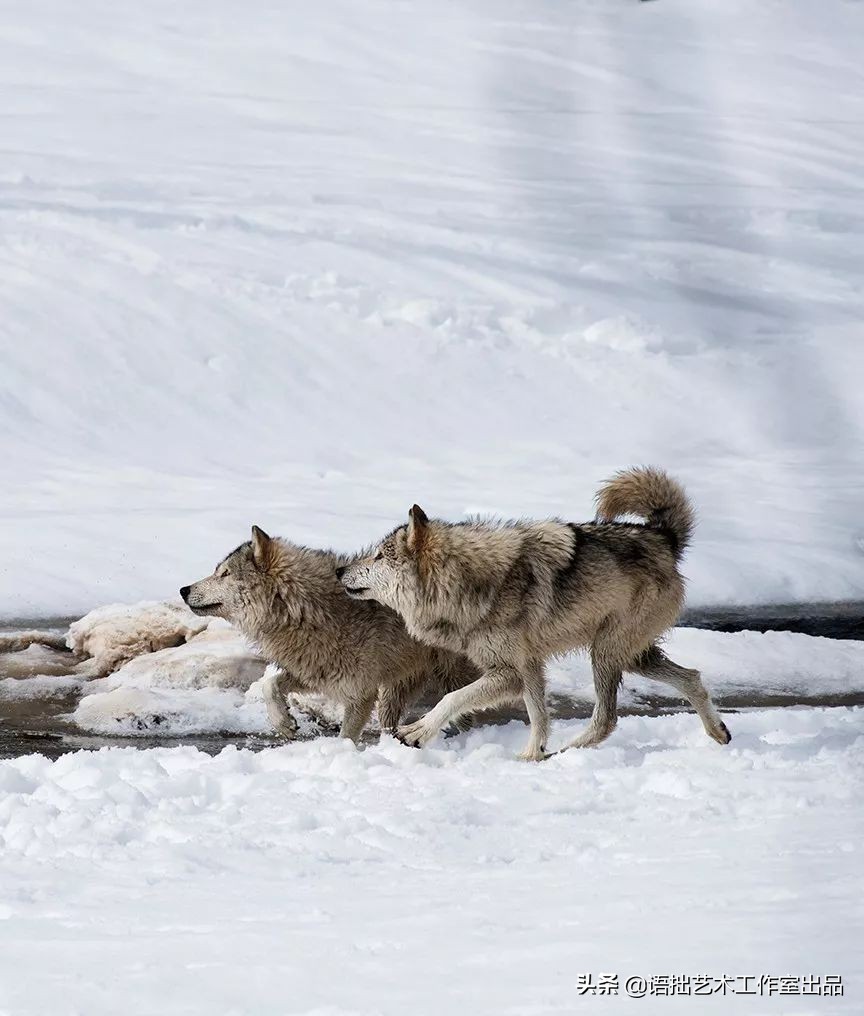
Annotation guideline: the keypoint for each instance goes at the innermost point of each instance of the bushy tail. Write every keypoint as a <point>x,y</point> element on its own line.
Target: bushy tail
<point>654,496</point>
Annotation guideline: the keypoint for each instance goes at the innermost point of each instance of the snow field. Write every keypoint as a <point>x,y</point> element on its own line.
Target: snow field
<point>318,878</point>
<point>304,266</point>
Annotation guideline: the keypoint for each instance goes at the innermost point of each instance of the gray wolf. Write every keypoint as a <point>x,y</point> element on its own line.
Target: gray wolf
<point>288,601</point>
<point>510,595</point>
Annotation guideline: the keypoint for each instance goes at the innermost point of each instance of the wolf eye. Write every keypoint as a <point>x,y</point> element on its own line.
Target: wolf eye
<point>379,556</point>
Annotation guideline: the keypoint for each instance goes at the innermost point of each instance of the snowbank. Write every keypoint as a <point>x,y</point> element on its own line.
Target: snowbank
<point>216,657</point>
<point>197,687</point>
<point>760,665</point>
<point>212,683</point>
<point>131,712</point>
<point>240,883</point>
<point>112,635</point>
<point>474,257</point>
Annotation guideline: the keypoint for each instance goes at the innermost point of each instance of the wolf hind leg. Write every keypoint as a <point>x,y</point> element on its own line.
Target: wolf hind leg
<point>464,723</point>
<point>608,671</point>
<point>654,663</point>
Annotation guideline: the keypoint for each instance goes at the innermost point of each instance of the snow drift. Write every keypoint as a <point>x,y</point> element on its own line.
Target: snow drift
<point>111,636</point>
<point>304,265</point>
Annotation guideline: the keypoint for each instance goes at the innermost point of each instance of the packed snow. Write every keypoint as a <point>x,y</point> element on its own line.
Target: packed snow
<point>317,878</point>
<point>303,265</point>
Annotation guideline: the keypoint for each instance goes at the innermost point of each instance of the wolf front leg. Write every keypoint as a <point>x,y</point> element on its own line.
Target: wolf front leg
<point>534,695</point>
<point>275,691</point>
<point>499,683</point>
<point>356,716</point>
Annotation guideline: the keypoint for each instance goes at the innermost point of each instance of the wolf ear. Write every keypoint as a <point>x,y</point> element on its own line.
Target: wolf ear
<point>418,522</point>
<point>260,547</point>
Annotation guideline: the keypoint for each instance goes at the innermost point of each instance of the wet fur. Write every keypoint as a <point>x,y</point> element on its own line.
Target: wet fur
<point>288,601</point>
<point>512,594</point>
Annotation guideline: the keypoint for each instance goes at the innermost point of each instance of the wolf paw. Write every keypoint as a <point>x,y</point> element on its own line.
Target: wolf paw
<point>720,733</point>
<point>589,738</point>
<point>415,735</point>
<point>286,729</point>
<point>531,754</point>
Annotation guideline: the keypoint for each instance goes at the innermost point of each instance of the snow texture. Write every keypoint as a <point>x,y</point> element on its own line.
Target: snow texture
<point>303,265</point>
<point>317,878</point>
<point>110,636</point>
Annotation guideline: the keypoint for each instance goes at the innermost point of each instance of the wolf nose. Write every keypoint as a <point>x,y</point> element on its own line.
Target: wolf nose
<point>184,592</point>
<point>341,571</point>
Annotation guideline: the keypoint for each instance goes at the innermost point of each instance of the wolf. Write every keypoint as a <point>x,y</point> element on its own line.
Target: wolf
<point>287,600</point>
<point>510,595</point>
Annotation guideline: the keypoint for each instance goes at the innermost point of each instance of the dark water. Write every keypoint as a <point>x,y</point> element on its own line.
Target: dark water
<point>37,725</point>
<point>830,620</point>
<point>843,620</point>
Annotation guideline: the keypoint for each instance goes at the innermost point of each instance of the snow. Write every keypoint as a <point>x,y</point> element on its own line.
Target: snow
<point>317,878</point>
<point>206,679</point>
<point>112,635</point>
<point>303,265</point>
<point>749,663</point>
<point>218,656</point>
<point>192,688</point>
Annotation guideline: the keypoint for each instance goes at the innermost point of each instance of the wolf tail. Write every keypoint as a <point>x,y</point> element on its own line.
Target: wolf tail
<point>654,496</point>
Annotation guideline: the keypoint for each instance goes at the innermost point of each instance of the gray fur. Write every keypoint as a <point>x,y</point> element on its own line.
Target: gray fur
<point>510,595</point>
<point>288,601</point>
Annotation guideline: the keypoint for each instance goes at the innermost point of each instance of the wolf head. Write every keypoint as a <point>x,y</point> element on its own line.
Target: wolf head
<point>240,590</point>
<point>268,583</point>
<point>392,572</point>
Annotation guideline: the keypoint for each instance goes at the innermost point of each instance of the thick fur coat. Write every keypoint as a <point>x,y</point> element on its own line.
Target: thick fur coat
<point>288,601</point>
<point>510,595</point>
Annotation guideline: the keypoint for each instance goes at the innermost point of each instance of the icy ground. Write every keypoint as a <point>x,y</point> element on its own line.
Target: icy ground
<point>304,264</point>
<point>316,879</point>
